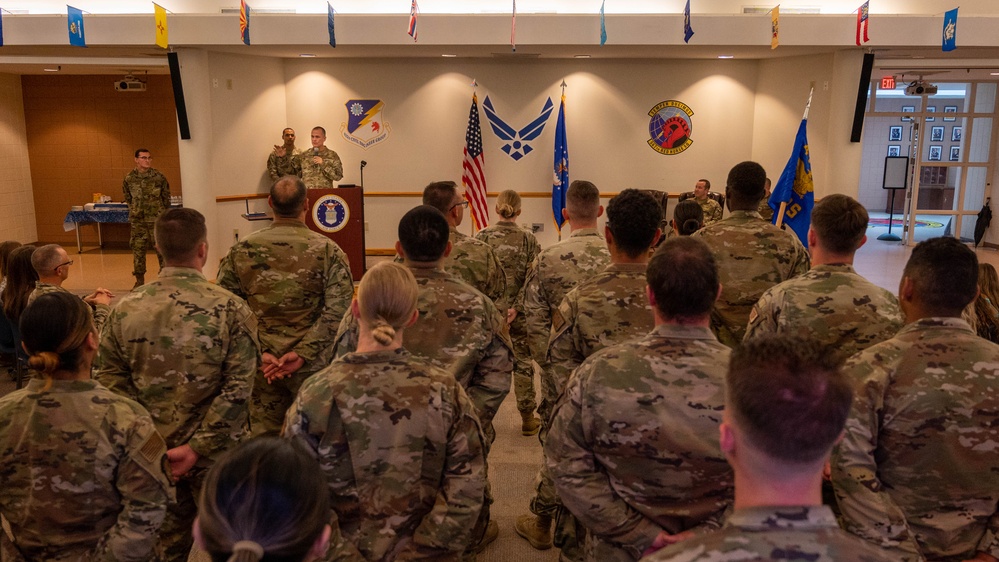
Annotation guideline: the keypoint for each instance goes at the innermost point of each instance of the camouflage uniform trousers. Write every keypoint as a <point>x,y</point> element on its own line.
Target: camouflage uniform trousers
<point>176,539</point>
<point>270,401</point>
<point>523,371</point>
<point>141,241</point>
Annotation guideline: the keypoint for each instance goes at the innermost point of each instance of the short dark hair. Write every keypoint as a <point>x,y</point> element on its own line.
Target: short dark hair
<point>689,217</point>
<point>944,273</point>
<point>46,258</point>
<point>288,196</point>
<point>141,150</point>
<point>707,183</point>
<point>789,396</point>
<point>53,329</point>
<point>633,217</point>
<point>179,232</point>
<point>744,186</point>
<point>440,195</point>
<point>683,278</point>
<point>318,128</point>
<point>424,233</point>
<point>840,223</point>
<point>287,129</point>
<point>582,199</point>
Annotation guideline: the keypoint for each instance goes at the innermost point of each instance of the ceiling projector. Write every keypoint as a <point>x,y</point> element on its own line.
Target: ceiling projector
<point>130,84</point>
<point>920,88</point>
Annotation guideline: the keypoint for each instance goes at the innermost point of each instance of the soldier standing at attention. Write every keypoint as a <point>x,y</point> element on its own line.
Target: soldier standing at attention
<point>633,445</point>
<point>472,260</point>
<point>147,194</point>
<point>284,160</point>
<point>298,285</point>
<point>712,210</point>
<point>319,166</point>
<point>81,468</point>
<point>554,273</point>
<point>785,406</point>
<point>397,438</point>
<point>830,303</point>
<point>752,254</point>
<point>186,350</point>
<point>515,248</point>
<point>917,469</point>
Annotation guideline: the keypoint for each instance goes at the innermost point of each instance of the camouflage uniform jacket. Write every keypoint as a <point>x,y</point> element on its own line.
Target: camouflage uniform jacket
<point>147,195</point>
<point>633,446</point>
<point>82,471</point>
<point>712,210</point>
<point>460,331</point>
<point>320,176</point>
<point>288,165</point>
<point>554,273</point>
<point>100,312</point>
<point>831,304</point>
<point>919,461</point>
<point>297,283</point>
<point>400,444</point>
<point>606,309</point>
<point>776,533</point>
<point>765,211</point>
<point>475,262</point>
<point>752,256</point>
<point>186,350</point>
<point>516,248</point>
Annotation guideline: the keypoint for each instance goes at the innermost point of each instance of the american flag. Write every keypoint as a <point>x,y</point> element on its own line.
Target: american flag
<point>473,176</point>
<point>413,9</point>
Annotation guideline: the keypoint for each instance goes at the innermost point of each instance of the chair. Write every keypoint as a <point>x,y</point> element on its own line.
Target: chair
<point>718,197</point>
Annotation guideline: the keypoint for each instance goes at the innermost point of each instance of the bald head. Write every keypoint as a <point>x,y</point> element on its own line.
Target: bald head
<point>288,197</point>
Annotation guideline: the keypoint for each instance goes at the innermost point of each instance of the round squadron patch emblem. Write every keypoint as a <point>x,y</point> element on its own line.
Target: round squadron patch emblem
<point>330,213</point>
<point>670,127</point>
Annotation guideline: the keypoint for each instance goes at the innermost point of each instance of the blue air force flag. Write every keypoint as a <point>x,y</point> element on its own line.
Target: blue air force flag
<point>795,187</point>
<point>74,21</point>
<point>950,30</point>
<point>560,180</point>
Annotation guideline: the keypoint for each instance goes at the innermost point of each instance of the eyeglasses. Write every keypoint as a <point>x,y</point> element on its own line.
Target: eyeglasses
<point>70,262</point>
<point>145,157</point>
<point>463,203</point>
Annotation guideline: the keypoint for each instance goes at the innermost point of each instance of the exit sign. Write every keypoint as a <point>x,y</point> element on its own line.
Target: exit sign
<point>887,82</point>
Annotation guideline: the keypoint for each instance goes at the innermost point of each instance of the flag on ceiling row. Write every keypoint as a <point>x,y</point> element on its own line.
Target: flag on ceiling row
<point>863,14</point>
<point>74,21</point>
<point>603,25</point>
<point>473,174</point>
<point>329,24</point>
<point>560,177</point>
<point>244,21</point>
<point>775,27</point>
<point>1,27</point>
<point>513,27</point>
<point>162,36</point>
<point>413,10</point>
<point>795,186</point>
<point>950,30</point>
<point>688,31</point>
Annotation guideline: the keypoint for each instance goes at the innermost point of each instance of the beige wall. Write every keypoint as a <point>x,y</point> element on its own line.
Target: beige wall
<point>17,206</point>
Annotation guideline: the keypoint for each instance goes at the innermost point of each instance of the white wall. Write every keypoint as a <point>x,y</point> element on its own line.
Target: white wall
<point>17,205</point>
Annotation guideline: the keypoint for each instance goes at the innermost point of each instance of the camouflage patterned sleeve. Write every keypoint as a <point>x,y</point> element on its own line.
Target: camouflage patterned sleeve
<point>449,524</point>
<point>227,277</point>
<point>127,191</point>
<point>165,193</point>
<point>113,365</point>
<point>490,383</point>
<point>716,211</point>
<point>763,317</point>
<point>802,262</point>
<point>101,313</point>
<point>346,336</point>
<point>224,423</point>
<point>332,167</point>
<point>585,489</point>
<point>564,353</point>
<point>536,314</point>
<point>337,294</point>
<point>496,278</point>
<point>867,510</point>
<point>990,541</point>
<point>145,490</point>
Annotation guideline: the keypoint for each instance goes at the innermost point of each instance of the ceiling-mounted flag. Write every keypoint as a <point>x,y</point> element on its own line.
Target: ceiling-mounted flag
<point>413,10</point>
<point>244,21</point>
<point>1,27</point>
<point>688,31</point>
<point>162,37</point>
<point>513,28</point>
<point>950,30</point>
<point>329,24</point>
<point>603,25</point>
<point>775,27</point>
<point>863,14</point>
<point>74,20</point>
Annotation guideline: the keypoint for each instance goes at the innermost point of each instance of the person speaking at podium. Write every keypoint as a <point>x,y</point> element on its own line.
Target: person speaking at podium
<point>320,166</point>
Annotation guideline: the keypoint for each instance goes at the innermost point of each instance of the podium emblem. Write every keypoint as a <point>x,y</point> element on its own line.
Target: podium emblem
<point>330,213</point>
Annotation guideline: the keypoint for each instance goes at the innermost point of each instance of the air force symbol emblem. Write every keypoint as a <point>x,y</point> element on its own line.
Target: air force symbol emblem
<point>330,213</point>
<point>516,141</point>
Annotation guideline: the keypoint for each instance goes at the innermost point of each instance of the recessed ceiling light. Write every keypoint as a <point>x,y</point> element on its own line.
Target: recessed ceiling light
<point>994,73</point>
<point>307,56</point>
<point>56,69</point>
<point>581,56</point>
<point>449,56</point>
<point>726,56</point>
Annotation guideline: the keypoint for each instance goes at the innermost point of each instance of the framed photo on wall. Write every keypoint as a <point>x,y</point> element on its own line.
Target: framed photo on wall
<point>955,134</point>
<point>955,153</point>
<point>894,150</point>
<point>950,109</point>
<point>936,134</point>
<point>907,109</point>
<point>895,133</point>
<point>935,152</point>
<point>931,109</point>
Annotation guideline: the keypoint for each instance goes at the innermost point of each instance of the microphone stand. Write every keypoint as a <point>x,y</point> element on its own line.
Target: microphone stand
<point>363,164</point>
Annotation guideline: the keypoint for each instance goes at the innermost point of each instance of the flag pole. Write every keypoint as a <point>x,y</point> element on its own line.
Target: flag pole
<point>783,204</point>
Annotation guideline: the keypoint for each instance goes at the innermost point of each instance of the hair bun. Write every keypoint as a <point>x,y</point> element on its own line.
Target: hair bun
<point>46,362</point>
<point>383,333</point>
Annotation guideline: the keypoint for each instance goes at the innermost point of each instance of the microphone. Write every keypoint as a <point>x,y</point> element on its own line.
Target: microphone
<point>315,151</point>
<point>363,163</point>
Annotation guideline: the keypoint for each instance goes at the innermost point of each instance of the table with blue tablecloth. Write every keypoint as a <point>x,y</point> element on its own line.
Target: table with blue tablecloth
<point>100,215</point>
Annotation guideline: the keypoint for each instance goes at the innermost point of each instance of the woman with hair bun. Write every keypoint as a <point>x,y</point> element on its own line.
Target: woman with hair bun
<point>397,438</point>
<point>259,503</point>
<point>688,218</point>
<point>81,468</point>
<point>515,247</point>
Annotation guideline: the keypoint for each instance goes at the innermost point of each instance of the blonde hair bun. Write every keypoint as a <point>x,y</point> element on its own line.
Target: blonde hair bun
<point>47,362</point>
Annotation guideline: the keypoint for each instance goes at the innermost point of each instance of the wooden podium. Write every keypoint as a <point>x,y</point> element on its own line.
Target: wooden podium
<point>338,214</point>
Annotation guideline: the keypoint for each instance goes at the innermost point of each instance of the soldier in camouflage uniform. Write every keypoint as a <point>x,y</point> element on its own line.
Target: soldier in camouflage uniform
<point>633,445</point>
<point>81,468</point>
<point>186,350</point>
<point>554,273</point>
<point>516,248</point>
<point>397,438</point>
<point>147,193</point>
<point>458,330</point>
<point>51,263</point>
<point>830,303</point>
<point>752,255</point>
<point>764,208</point>
<point>285,159</point>
<point>319,166</point>
<point>298,284</point>
<point>786,403</point>
<point>917,469</point>
<point>712,210</point>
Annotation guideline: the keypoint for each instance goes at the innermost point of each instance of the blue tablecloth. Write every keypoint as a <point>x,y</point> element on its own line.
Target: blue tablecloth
<point>112,215</point>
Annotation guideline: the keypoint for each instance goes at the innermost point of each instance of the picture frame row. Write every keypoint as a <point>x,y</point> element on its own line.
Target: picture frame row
<point>929,109</point>
<point>935,153</point>
<point>937,133</point>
